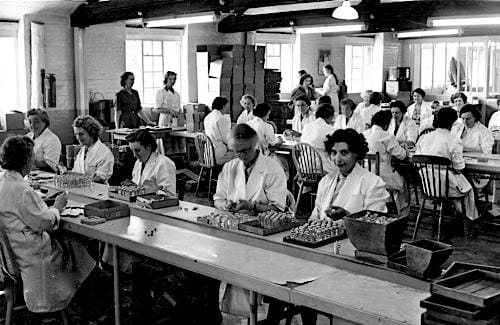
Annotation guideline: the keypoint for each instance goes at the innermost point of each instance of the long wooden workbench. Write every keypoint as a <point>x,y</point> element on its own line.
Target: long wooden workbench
<point>340,285</point>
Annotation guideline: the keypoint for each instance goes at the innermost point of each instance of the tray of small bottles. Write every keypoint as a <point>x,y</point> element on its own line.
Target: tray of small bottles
<point>316,233</point>
<point>225,220</point>
<point>270,222</point>
<point>127,193</point>
<point>72,180</point>
<point>157,201</point>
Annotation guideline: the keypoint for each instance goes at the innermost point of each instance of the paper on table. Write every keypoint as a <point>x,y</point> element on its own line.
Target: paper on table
<point>72,212</point>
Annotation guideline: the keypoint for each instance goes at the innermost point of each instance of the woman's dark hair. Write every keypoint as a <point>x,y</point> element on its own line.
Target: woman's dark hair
<point>219,103</point>
<point>399,104</point>
<point>325,111</point>
<point>90,125</point>
<point>144,137</point>
<point>261,109</point>
<point>16,152</point>
<point>457,95</point>
<point>355,141</point>
<point>419,91</point>
<point>382,118</point>
<point>41,113</point>
<point>376,98</point>
<point>347,102</point>
<point>167,75</point>
<point>243,131</point>
<point>302,72</point>
<point>303,98</point>
<point>124,77</point>
<point>304,77</point>
<point>329,67</point>
<point>473,109</point>
<point>445,118</point>
<point>325,99</point>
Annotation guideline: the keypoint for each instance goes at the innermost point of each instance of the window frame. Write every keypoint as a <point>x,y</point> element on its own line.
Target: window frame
<point>10,30</point>
<point>365,67</point>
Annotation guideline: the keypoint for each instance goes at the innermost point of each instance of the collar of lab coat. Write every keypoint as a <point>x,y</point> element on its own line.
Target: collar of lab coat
<point>254,178</point>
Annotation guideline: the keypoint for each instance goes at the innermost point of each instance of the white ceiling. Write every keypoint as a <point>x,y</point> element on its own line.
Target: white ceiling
<point>15,9</point>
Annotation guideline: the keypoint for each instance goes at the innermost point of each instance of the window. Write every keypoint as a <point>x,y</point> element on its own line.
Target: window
<point>149,60</point>
<point>280,57</point>
<point>358,64</point>
<point>8,82</point>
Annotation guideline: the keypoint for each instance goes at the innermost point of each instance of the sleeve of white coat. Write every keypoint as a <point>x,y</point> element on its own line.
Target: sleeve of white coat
<point>395,150</point>
<point>330,86</point>
<point>105,166</point>
<point>35,213</point>
<point>220,195</point>
<point>270,136</point>
<point>52,152</point>
<point>224,126</point>
<point>275,188</point>
<point>457,156</point>
<point>166,178</point>
<point>487,140</point>
<point>240,119</point>
<point>412,131</point>
<point>376,195</point>
<point>296,123</point>
<point>320,198</point>
<point>159,98</point>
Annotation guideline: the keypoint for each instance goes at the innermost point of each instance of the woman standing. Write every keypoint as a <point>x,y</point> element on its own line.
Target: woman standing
<point>47,144</point>
<point>305,88</point>
<point>331,86</point>
<point>128,109</point>
<point>51,269</point>
<point>168,101</point>
<point>420,109</point>
<point>405,129</point>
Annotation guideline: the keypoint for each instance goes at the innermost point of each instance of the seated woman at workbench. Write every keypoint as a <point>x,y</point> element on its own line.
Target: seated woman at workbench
<point>352,188</point>
<point>403,127</point>
<point>248,103</point>
<point>305,115</point>
<point>475,136</point>
<point>442,143</point>
<point>152,170</point>
<point>218,129</point>
<point>51,269</point>
<point>252,181</point>
<point>94,159</point>
<point>47,144</point>
<point>264,130</point>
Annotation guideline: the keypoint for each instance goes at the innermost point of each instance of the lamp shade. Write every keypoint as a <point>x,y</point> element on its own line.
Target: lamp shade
<point>345,12</point>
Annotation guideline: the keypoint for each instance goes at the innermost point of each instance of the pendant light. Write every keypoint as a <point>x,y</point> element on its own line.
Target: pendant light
<point>345,12</point>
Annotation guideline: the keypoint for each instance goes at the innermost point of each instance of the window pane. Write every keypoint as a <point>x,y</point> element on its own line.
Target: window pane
<point>148,79</point>
<point>157,63</point>
<point>8,82</point>
<point>157,48</point>
<point>439,79</point>
<point>148,63</point>
<point>158,79</point>
<point>147,47</point>
<point>357,62</point>
<point>426,66</point>
<point>357,51</point>
<point>357,74</point>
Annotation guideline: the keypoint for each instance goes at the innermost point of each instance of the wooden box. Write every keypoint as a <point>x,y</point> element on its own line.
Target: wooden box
<point>107,209</point>
<point>12,121</point>
<point>255,227</point>
<point>157,201</point>
<point>477,287</point>
<point>425,254</point>
<point>461,267</point>
<point>451,307</point>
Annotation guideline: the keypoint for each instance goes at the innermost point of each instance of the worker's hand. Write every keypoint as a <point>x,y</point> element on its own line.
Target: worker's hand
<point>336,213</point>
<point>244,205</point>
<point>280,140</point>
<point>61,201</point>
<point>230,205</point>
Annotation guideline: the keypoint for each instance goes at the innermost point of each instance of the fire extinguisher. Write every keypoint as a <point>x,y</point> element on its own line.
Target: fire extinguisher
<point>49,96</point>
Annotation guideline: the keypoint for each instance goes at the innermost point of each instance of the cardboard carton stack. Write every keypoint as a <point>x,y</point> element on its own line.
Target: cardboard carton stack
<point>12,121</point>
<point>195,113</point>
<point>272,80</point>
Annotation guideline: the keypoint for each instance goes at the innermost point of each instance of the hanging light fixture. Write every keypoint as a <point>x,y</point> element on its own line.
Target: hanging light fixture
<point>345,12</point>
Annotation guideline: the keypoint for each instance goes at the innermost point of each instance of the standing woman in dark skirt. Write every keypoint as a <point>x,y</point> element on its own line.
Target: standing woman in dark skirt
<point>128,109</point>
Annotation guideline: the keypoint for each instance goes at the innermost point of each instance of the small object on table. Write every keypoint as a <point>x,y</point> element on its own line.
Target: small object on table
<point>269,222</point>
<point>92,220</point>
<point>157,201</point>
<point>224,220</point>
<point>126,192</point>
<point>72,180</point>
<point>107,209</point>
<point>316,233</point>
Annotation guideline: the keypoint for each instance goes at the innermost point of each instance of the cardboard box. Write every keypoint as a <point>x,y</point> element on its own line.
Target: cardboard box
<point>194,107</point>
<point>12,121</point>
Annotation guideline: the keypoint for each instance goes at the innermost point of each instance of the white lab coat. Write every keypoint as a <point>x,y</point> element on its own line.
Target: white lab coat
<point>299,121</point>
<point>442,143</point>
<point>218,129</point>
<point>355,122</point>
<point>266,183</point>
<point>478,137</point>
<point>166,99</point>
<point>388,147</point>
<point>51,269</point>
<point>265,132</point>
<point>425,111</point>
<point>245,117</point>
<point>315,134</point>
<point>407,132</point>
<point>158,174</point>
<point>99,161</point>
<point>330,88</point>
<point>494,124</point>
<point>362,190</point>
<point>367,114</point>
<point>456,128</point>
<point>47,147</point>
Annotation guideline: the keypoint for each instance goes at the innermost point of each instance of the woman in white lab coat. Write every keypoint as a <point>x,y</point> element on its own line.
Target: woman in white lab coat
<point>443,144</point>
<point>248,103</point>
<point>420,109</point>
<point>375,101</point>
<point>401,126</point>
<point>152,170</point>
<point>94,158</point>
<point>168,101</point>
<point>459,99</point>
<point>305,115</point>
<point>265,131</point>
<point>252,181</point>
<point>331,86</point>
<point>365,97</point>
<point>381,141</point>
<point>352,188</point>
<point>47,144</point>
<point>218,129</point>
<point>316,132</point>
<point>475,136</point>
<point>51,269</point>
<point>349,117</point>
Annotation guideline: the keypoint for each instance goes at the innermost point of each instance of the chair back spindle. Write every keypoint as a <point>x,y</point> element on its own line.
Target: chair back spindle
<point>307,162</point>
<point>205,150</point>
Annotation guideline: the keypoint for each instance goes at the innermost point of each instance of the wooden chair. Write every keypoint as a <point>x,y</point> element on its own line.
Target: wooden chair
<point>206,159</point>
<point>372,163</point>
<point>428,130</point>
<point>434,174</point>
<point>309,166</point>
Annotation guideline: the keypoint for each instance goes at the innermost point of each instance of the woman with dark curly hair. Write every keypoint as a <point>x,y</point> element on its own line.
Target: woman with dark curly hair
<point>458,99</point>
<point>351,188</point>
<point>305,88</point>
<point>94,159</point>
<point>128,109</point>
<point>51,269</point>
<point>475,136</point>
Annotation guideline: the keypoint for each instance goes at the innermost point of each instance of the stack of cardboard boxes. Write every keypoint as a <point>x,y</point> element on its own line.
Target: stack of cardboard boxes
<point>12,121</point>
<point>272,80</point>
<point>194,116</point>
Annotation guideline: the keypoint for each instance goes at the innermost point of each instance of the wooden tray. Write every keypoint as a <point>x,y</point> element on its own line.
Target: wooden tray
<point>254,227</point>
<point>320,243</point>
<point>397,262</point>
<point>451,307</point>
<point>478,287</point>
<point>433,317</point>
<point>461,267</point>
<point>107,209</point>
<point>118,196</point>
<point>156,201</point>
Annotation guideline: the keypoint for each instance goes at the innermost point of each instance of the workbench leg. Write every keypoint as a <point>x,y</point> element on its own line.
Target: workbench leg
<point>116,286</point>
<point>253,308</point>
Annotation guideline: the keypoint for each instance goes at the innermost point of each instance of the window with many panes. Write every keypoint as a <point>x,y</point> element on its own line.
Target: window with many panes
<point>8,68</point>
<point>358,65</point>
<point>149,60</point>
<point>279,57</point>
